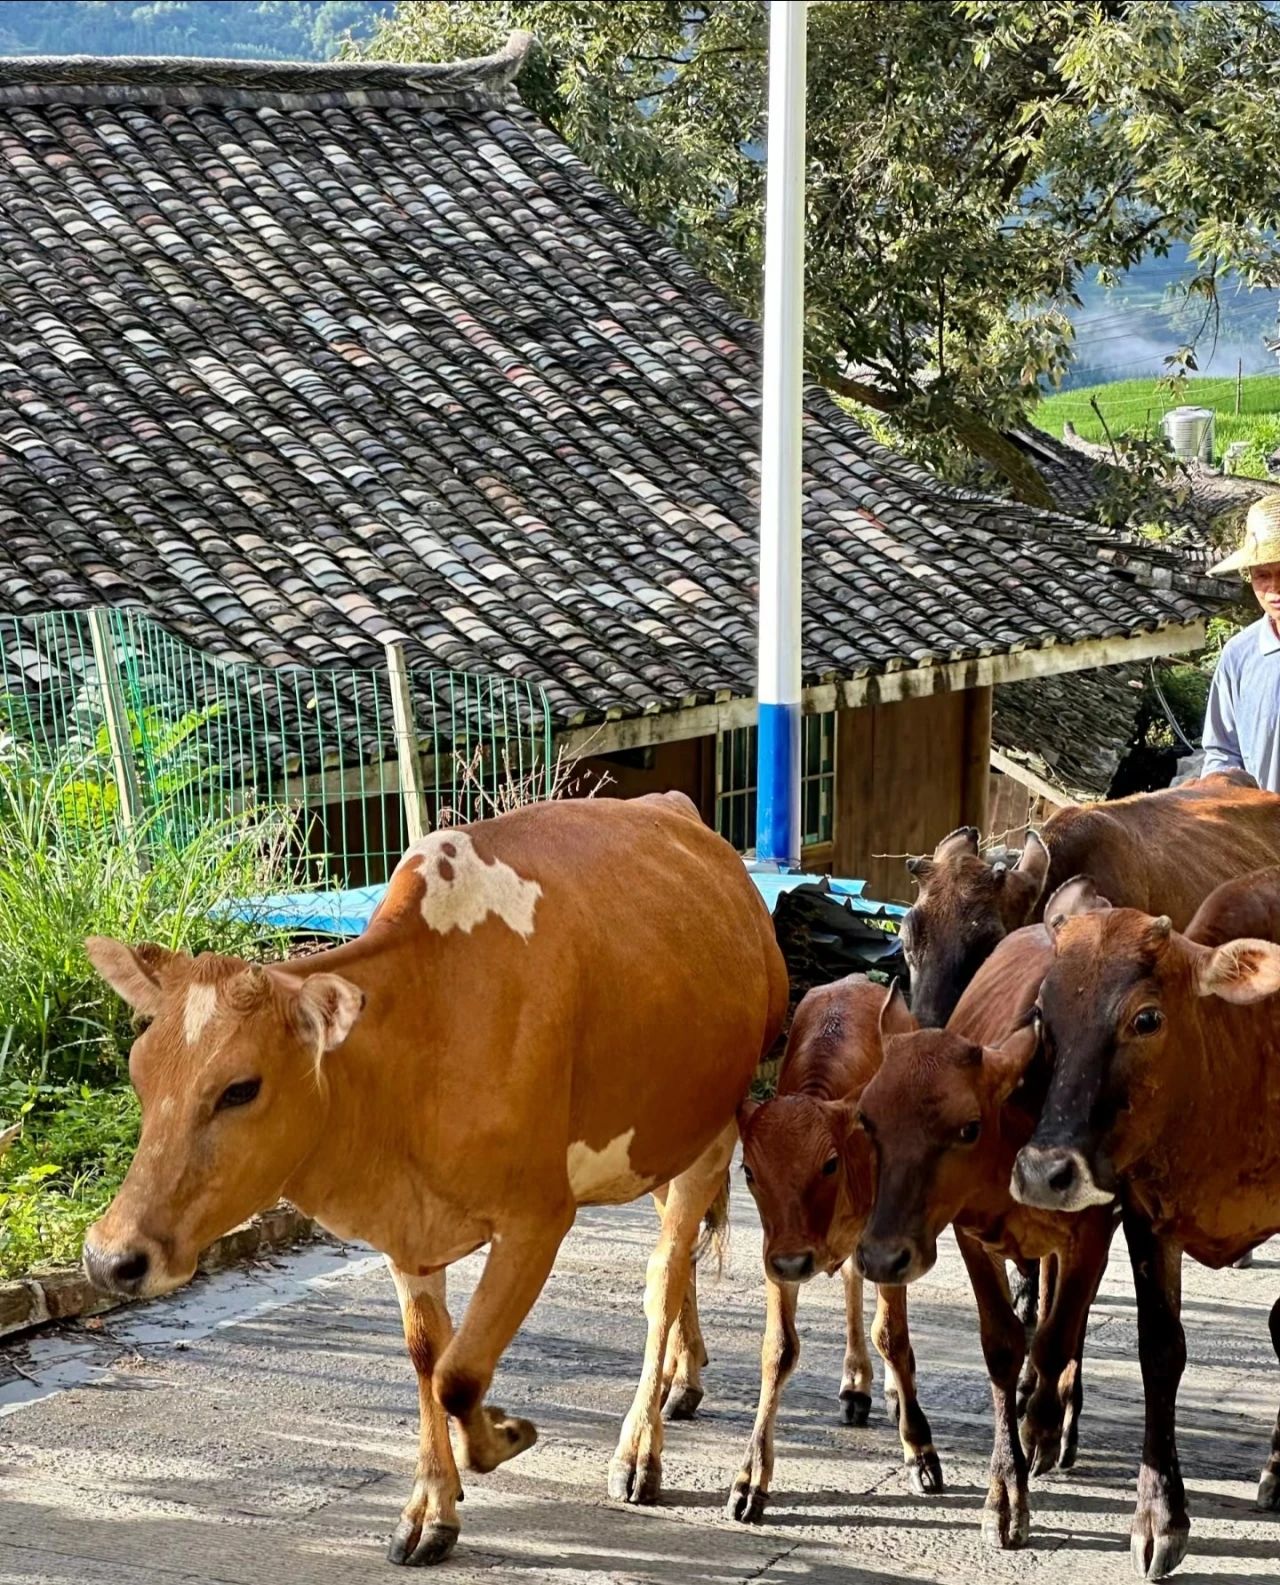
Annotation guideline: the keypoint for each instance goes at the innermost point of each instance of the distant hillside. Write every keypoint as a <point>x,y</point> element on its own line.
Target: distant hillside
<point>1128,330</point>
<point>239,29</point>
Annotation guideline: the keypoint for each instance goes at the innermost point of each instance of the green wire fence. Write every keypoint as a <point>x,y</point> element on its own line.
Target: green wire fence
<point>142,727</point>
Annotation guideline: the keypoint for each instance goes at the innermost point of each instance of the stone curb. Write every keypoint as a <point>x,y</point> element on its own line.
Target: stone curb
<point>65,1293</point>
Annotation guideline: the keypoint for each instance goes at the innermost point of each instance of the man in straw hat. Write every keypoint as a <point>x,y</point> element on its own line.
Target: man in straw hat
<point>1242,723</point>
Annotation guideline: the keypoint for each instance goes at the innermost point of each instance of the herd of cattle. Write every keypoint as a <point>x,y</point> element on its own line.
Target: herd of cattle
<point>566,1006</point>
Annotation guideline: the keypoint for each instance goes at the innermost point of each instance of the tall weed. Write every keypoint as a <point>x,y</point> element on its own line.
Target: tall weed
<point>63,878</point>
<point>66,872</point>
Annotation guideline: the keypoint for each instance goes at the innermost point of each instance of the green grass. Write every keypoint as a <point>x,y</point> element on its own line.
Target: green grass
<point>1137,406</point>
<point>67,873</point>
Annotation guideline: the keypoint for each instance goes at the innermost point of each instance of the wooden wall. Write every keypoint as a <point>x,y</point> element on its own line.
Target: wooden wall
<point>1013,808</point>
<point>688,766</point>
<point>906,775</point>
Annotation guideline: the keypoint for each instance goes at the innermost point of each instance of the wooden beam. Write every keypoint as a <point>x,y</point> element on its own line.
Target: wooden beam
<point>975,779</point>
<point>914,682</point>
<point>1029,780</point>
<point>413,794</point>
<point>673,726</point>
<point>119,732</point>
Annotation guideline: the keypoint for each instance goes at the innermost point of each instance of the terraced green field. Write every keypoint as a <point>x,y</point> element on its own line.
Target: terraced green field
<point>1137,406</point>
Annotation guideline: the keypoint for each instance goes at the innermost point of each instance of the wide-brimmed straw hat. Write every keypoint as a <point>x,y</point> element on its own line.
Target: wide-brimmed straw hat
<point>1261,541</point>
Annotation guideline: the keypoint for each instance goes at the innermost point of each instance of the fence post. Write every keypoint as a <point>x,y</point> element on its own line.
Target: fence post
<point>119,733</point>
<point>412,787</point>
<point>1239,383</point>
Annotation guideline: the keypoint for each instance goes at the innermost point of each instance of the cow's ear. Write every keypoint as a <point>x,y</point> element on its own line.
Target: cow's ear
<point>842,1115</point>
<point>921,868</point>
<point>328,1007</point>
<point>1241,971</point>
<point>1006,1065</point>
<point>895,1015</point>
<point>1076,896</point>
<point>1033,863</point>
<point>960,844</point>
<point>134,973</point>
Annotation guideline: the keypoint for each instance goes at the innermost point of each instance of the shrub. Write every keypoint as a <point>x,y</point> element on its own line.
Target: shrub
<point>66,873</point>
<point>63,878</point>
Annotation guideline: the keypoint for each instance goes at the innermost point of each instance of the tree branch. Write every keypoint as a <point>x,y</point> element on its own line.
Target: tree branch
<point>972,431</point>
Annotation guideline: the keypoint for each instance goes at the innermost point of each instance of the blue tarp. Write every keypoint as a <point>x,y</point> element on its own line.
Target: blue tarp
<point>346,913</point>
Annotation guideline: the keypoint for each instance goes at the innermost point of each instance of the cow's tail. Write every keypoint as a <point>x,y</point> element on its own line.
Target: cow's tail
<point>714,1237</point>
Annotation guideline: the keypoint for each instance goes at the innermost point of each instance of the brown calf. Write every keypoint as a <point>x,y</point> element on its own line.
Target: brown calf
<point>1161,851</point>
<point>1164,1098</point>
<point>556,1008</point>
<point>947,1114</point>
<point>809,1169</point>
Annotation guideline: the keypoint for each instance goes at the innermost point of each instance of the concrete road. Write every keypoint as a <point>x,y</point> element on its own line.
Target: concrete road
<point>260,1430</point>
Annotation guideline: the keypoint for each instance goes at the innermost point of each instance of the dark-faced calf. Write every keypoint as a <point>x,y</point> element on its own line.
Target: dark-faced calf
<point>810,1171</point>
<point>1164,1099</point>
<point>947,1113</point>
<point>1165,850</point>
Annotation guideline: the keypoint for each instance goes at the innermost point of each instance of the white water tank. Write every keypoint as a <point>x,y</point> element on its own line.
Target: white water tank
<point>1189,432</point>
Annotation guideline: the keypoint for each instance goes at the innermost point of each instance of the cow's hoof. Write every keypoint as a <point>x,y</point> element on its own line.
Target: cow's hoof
<point>1043,1447</point>
<point>746,1501</point>
<point>855,1407</point>
<point>1269,1490</point>
<point>418,1546</point>
<point>924,1474</point>
<point>682,1403</point>
<point>504,1437</point>
<point>1156,1556</point>
<point>1006,1526</point>
<point>636,1480</point>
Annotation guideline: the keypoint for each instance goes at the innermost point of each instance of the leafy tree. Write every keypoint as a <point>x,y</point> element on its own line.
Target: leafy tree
<point>968,162</point>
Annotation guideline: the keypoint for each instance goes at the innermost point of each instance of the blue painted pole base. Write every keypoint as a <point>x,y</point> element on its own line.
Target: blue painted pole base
<point>778,784</point>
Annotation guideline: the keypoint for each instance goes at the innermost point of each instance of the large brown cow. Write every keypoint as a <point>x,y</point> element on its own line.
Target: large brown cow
<point>559,1007</point>
<point>947,1113</point>
<point>1161,852</point>
<point>1246,907</point>
<point>1165,1099</point>
<point>809,1170</point>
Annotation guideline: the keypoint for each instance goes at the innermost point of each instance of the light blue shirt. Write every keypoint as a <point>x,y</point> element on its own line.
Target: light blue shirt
<point>1242,722</point>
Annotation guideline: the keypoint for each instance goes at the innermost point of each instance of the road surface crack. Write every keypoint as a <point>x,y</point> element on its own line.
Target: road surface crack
<point>771,1563</point>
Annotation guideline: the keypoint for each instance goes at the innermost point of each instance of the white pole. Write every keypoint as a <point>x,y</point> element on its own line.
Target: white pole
<point>778,690</point>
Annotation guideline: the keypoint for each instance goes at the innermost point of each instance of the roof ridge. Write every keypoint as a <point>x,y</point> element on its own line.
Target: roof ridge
<point>192,79</point>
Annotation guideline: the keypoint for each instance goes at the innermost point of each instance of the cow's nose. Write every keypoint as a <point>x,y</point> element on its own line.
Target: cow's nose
<point>1044,1177</point>
<point>116,1271</point>
<point>884,1262</point>
<point>792,1268</point>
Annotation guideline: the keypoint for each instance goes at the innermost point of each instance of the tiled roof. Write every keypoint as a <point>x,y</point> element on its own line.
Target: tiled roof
<point>1071,730</point>
<point>302,358</point>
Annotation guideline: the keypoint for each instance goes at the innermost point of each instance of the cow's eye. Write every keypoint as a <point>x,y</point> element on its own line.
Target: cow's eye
<point>1147,1021</point>
<point>747,1173</point>
<point>828,1167</point>
<point>969,1133</point>
<point>239,1094</point>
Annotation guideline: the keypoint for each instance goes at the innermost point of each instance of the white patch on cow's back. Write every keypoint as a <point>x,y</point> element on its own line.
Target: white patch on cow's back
<point>604,1176</point>
<point>202,1003</point>
<point>462,890</point>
